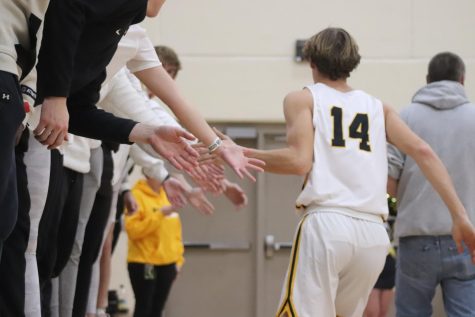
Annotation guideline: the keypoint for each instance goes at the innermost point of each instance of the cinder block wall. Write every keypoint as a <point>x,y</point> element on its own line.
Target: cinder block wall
<point>238,55</point>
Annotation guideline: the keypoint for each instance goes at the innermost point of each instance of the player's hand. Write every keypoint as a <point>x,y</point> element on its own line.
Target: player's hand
<point>233,155</point>
<point>175,192</point>
<point>235,194</point>
<point>198,200</point>
<point>52,129</point>
<point>130,203</point>
<point>463,231</point>
<point>169,142</point>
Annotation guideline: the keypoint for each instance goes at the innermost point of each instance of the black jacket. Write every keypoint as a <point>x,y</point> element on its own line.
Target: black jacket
<point>79,39</point>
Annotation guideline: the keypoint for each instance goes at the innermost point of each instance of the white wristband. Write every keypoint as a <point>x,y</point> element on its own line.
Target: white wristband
<point>215,145</point>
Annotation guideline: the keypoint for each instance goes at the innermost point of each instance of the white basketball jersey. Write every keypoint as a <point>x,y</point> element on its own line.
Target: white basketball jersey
<point>349,172</point>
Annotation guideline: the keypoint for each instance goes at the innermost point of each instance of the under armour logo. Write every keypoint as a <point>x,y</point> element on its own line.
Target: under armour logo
<point>121,31</point>
<point>5,97</point>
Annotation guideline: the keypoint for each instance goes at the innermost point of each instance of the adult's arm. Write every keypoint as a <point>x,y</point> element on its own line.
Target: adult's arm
<point>63,26</point>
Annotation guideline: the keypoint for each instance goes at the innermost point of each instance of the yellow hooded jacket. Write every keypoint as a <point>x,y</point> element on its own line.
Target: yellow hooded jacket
<point>153,237</point>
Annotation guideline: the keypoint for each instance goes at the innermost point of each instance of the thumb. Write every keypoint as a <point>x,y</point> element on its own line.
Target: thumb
<point>187,135</point>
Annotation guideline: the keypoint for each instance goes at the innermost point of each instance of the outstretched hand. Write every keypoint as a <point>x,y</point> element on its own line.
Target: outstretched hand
<point>463,231</point>
<point>235,194</point>
<point>198,200</point>
<point>175,192</point>
<point>233,155</point>
<point>169,142</point>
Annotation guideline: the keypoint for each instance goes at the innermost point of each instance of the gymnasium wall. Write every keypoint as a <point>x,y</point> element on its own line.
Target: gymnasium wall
<point>238,55</point>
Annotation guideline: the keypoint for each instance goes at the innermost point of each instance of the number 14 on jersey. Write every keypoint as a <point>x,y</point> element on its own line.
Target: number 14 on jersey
<point>358,129</point>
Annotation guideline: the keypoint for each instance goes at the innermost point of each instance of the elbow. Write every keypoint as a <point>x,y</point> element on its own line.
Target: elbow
<point>423,152</point>
<point>302,167</point>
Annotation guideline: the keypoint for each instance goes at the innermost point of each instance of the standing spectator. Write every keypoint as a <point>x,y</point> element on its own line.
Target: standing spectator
<point>440,114</point>
<point>155,247</point>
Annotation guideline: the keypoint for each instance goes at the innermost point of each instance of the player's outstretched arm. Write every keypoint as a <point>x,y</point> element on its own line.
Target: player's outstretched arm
<point>169,142</point>
<point>297,157</point>
<point>400,135</point>
<point>162,85</point>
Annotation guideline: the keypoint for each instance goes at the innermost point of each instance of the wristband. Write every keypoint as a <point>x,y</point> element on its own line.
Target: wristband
<point>166,178</point>
<point>215,145</point>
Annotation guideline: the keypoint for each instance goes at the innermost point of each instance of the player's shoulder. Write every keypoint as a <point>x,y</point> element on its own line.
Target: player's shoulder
<point>298,98</point>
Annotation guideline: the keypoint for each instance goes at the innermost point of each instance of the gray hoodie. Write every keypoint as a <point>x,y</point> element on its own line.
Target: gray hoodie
<point>440,114</point>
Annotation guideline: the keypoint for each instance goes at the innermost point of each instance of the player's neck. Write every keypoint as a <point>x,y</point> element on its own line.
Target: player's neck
<point>339,84</point>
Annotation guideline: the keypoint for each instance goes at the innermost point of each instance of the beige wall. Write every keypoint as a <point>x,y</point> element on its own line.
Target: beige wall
<point>238,55</point>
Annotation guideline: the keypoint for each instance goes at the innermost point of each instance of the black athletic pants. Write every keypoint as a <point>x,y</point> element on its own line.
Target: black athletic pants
<point>57,229</point>
<point>11,115</point>
<point>151,289</point>
<point>95,229</point>
<point>118,216</point>
<point>13,263</point>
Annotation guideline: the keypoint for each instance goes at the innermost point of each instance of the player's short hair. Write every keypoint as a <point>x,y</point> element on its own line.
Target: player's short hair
<point>334,52</point>
<point>168,56</point>
<point>445,66</point>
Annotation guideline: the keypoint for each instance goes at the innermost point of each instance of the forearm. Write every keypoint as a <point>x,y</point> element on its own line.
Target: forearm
<point>94,123</point>
<point>160,83</point>
<point>281,161</point>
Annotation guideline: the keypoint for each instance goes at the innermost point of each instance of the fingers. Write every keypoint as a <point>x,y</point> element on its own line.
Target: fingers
<point>40,128</point>
<point>248,174</point>
<point>43,136</point>
<point>175,163</point>
<point>187,135</point>
<point>458,243</point>
<point>187,163</point>
<point>191,151</point>
<point>56,137</point>
<point>256,162</point>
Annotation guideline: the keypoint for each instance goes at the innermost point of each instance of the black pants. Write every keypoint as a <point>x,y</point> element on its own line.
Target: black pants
<point>151,289</point>
<point>57,229</point>
<point>11,115</point>
<point>95,229</point>
<point>13,263</point>
<point>117,225</point>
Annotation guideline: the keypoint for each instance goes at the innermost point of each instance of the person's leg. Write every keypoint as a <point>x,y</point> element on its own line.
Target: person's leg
<point>386,299</point>
<point>46,248</point>
<point>11,114</point>
<point>312,270</point>
<point>143,289</point>
<point>458,280</point>
<point>105,270</point>
<point>94,236</point>
<point>69,221</point>
<point>369,246</point>
<point>165,276</point>
<point>372,307</point>
<point>54,302</point>
<point>417,270</point>
<point>118,225</point>
<point>68,277</point>
<point>37,161</point>
<point>13,264</point>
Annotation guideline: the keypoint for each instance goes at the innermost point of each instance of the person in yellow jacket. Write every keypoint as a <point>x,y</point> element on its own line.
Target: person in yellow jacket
<point>156,248</point>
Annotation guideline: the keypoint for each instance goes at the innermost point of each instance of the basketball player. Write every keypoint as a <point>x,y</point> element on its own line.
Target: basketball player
<point>337,137</point>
